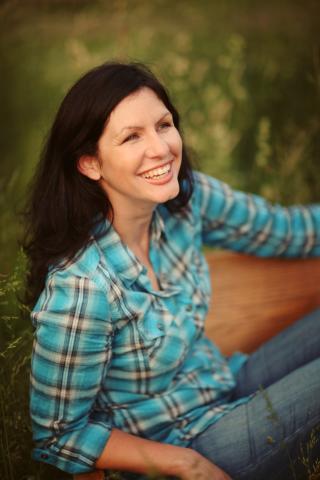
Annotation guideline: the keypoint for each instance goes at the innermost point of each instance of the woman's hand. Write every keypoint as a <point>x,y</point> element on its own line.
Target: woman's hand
<point>193,467</point>
<point>198,467</point>
<point>131,453</point>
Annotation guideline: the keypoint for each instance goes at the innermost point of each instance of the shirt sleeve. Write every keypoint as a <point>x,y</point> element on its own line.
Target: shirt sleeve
<point>71,352</point>
<point>247,223</point>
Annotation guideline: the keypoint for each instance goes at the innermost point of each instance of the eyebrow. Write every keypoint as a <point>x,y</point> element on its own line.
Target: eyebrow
<point>137,127</point>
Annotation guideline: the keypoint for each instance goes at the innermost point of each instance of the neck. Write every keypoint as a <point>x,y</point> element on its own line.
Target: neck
<point>133,230</point>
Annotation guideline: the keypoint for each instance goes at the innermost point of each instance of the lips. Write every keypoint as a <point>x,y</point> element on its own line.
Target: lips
<point>159,175</point>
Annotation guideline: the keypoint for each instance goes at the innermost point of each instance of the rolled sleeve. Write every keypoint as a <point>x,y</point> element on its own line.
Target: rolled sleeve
<point>71,354</point>
<point>76,452</point>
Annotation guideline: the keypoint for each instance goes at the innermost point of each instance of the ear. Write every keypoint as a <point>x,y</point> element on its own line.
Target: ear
<point>89,166</point>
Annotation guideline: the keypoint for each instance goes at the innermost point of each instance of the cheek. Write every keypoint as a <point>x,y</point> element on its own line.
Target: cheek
<point>176,143</point>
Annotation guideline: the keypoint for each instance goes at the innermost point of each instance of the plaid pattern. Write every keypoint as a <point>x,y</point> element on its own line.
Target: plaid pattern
<point>111,352</point>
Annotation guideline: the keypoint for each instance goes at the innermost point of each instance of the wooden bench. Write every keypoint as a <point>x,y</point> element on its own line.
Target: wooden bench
<point>253,299</point>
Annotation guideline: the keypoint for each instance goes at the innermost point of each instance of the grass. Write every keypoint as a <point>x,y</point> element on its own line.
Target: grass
<point>245,76</point>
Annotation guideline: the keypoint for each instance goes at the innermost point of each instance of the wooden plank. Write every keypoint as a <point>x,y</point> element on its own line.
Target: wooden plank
<point>254,298</point>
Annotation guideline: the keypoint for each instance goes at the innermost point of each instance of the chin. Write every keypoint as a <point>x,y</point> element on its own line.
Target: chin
<point>169,196</point>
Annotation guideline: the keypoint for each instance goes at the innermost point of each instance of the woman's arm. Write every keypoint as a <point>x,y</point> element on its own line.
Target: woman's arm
<point>128,452</point>
<point>71,354</point>
<point>247,223</point>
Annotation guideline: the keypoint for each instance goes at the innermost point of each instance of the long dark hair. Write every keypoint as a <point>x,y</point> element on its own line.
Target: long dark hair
<point>63,204</point>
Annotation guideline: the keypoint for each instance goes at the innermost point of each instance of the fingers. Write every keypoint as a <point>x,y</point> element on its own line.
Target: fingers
<point>205,470</point>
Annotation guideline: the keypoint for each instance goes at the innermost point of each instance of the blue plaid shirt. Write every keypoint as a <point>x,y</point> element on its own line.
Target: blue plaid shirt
<point>109,351</point>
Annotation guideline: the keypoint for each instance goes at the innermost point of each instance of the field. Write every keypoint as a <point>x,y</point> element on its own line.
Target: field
<point>245,76</point>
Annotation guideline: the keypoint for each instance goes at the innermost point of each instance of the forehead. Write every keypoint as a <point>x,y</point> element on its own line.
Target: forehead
<point>140,106</point>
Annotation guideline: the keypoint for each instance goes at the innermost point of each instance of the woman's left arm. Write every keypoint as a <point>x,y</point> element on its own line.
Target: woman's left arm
<point>248,223</point>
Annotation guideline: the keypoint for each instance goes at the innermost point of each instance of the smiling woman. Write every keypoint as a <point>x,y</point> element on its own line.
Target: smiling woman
<point>123,375</point>
<point>145,157</point>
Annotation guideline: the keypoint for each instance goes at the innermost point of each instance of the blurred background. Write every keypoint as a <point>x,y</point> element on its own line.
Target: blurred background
<point>244,74</point>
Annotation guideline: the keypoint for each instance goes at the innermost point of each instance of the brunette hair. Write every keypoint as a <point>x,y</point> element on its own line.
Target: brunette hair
<point>64,205</point>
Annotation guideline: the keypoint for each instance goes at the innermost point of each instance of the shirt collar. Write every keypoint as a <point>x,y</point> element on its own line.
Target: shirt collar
<point>157,228</point>
<point>122,260</point>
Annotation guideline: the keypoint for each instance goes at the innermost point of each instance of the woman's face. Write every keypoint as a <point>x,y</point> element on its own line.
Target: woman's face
<point>140,153</point>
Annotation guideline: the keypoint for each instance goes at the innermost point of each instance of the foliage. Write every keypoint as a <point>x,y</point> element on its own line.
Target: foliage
<point>15,359</point>
<point>245,76</point>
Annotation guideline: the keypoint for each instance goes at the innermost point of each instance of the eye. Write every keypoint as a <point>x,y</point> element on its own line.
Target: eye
<point>132,136</point>
<point>165,125</point>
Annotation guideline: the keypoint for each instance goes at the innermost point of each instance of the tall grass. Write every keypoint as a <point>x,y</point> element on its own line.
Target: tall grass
<point>245,77</point>
<point>14,367</point>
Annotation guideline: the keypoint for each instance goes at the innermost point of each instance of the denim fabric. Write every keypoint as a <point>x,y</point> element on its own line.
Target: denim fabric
<point>267,437</point>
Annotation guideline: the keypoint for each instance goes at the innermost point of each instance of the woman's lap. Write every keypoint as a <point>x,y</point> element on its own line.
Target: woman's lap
<point>256,440</point>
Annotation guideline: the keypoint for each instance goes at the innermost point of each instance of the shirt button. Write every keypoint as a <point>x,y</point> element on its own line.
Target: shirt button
<point>160,326</point>
<point>189,308</point>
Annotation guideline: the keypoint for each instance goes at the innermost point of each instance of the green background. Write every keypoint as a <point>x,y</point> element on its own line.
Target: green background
<point>244,74</point>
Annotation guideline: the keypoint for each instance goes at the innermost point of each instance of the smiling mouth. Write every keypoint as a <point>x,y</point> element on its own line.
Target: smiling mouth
<point>157,173</point>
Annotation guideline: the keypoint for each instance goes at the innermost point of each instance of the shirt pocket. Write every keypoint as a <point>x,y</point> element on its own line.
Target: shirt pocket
<point>165,348</point>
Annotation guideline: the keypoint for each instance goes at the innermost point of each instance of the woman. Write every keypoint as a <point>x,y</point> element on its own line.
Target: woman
<point>123,376</point>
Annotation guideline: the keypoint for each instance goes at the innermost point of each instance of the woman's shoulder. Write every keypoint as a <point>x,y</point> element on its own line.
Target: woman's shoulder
<point>77,286</point>
<point>205,189</point>
<point>86,263</point>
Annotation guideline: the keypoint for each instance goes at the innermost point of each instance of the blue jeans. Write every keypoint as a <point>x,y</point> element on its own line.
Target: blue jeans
<point>268,437</point>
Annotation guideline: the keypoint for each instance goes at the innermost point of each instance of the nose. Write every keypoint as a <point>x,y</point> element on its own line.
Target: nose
<point>157,147</point>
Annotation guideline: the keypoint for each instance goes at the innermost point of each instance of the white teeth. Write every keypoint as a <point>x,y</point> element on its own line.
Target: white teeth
<point>157,172</point>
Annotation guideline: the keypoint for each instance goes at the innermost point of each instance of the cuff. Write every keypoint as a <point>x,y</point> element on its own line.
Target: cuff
<point>75,452</point>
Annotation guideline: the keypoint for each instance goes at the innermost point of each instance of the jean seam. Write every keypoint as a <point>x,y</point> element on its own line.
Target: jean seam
<point>307,426</point>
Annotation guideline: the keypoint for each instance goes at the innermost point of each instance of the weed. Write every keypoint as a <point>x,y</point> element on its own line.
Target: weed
<point>307,448</point>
